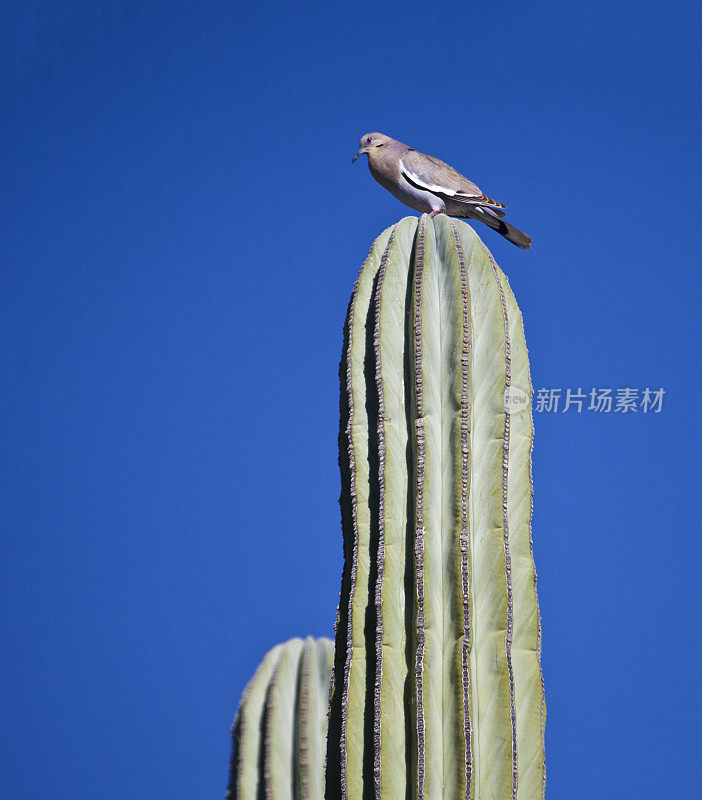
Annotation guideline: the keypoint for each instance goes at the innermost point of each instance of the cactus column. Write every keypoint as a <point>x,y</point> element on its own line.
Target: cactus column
<point>437,689</point>
<point>280,728</point>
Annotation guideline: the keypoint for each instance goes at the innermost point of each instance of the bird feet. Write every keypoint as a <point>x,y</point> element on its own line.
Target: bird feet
<point>434,213</point>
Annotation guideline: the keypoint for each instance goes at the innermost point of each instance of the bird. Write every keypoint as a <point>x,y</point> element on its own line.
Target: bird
<point>431,186</point>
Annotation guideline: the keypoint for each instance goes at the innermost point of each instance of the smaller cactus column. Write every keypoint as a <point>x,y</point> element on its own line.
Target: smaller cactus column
<point>280,729</point>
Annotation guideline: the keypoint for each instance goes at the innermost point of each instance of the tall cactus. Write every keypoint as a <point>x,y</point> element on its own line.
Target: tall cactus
<point>279,732</point>
<point>437,691</point>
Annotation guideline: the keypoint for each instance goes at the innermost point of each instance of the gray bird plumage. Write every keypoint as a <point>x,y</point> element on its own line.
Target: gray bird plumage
<point>431,186</point>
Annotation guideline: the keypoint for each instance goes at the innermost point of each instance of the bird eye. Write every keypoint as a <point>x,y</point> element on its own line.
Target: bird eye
<point>369,139</point>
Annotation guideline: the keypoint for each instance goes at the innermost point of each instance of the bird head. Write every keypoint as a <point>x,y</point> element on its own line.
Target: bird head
<point>370,141</point>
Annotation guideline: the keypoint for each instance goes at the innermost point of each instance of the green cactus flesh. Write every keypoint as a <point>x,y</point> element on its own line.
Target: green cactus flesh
<point>279,732</point>
<point>437,679</point>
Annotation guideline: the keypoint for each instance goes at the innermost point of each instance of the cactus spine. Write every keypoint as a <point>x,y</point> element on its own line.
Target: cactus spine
<point>437,689</point>
<point>279,732</point>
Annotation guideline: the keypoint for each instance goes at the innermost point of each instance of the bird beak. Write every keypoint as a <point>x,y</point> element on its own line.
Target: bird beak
<point>359,153</point>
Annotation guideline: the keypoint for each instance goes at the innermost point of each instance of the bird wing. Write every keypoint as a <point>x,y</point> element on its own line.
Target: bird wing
<point>433,175</point>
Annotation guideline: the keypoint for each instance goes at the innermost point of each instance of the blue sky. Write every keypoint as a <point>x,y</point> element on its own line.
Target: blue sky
<point>181,230</point>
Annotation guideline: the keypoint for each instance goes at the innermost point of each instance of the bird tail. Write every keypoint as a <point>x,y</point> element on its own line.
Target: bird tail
<point>514,235</point>
<point>510,233</point>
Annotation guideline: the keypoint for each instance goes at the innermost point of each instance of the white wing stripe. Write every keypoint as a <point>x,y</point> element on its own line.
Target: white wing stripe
<point>429,186</point>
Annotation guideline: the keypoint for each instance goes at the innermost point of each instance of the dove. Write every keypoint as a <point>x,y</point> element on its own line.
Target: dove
<point>428,185</point>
